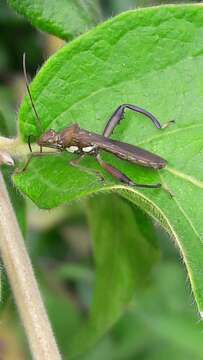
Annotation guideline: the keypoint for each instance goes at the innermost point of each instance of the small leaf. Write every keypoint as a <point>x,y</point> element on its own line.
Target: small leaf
<point>150,57</point>
<point>63,18</point>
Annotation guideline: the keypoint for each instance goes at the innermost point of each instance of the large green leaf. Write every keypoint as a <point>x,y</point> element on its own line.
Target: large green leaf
<point>63,18</point>
<point>151,57</point>
<point>119,5</point>
<point>142,3</point>
<point>125,250</point>
<point>168,317</point>
<point>158,325</point>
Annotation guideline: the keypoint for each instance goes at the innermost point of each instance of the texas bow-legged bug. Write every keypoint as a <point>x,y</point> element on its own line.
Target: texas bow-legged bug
<point>83,142</point>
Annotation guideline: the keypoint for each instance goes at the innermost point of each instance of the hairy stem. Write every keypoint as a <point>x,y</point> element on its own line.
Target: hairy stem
<point>13,146</point>
<point>16,148</point>
<point>23,283</point>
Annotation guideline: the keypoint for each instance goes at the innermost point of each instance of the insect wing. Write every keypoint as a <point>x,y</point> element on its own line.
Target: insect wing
<point>133,154</point>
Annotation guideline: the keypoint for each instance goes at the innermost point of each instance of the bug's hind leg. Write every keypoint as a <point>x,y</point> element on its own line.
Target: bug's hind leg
<point>119,113</point>
<point>122,177</point>
<point>76,163</point>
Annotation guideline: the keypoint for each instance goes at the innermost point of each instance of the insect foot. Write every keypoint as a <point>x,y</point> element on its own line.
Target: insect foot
<point>167,124</point>
<point>171,194</point>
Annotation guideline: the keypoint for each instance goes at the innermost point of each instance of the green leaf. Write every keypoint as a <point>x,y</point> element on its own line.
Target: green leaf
<point>3,127</point>
<point>63,18</point>
<point>153,58</point>
<point>142,3</point>
<point>170,318</point>
<point>158,324</point>
<point>74,272</point>
<point>7,114</point>
<point>124,250</point>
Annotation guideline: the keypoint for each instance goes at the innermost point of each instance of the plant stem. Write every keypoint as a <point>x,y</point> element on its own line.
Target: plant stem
<point>16,148</point>
<point>13,146</point>
<point>23,283</point>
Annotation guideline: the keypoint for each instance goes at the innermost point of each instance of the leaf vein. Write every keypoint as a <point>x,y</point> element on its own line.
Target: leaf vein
<point>186,177</point>
<point>172,132</point>
<point>187,219</point>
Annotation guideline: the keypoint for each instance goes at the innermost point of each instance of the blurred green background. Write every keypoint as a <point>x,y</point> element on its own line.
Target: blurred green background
<point>162,322</point>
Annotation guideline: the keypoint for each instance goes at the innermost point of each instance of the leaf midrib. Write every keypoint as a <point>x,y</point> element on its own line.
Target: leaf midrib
<point>166,134</point>
<point>188,219</point>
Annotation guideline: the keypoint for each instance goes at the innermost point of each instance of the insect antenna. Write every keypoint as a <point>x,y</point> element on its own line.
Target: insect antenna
<point>38,122</point>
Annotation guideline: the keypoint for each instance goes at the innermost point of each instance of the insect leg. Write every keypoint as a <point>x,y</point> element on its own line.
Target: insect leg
<point>76,163</point>
<point>119,113</point>
<point>35,154</point>
<point>29,143</point>
<point>122,177</point>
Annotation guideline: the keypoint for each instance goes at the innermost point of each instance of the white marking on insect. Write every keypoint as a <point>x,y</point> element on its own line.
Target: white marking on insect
<point>88,148</point>
<point>143,161</point>
<point>72,149</point>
